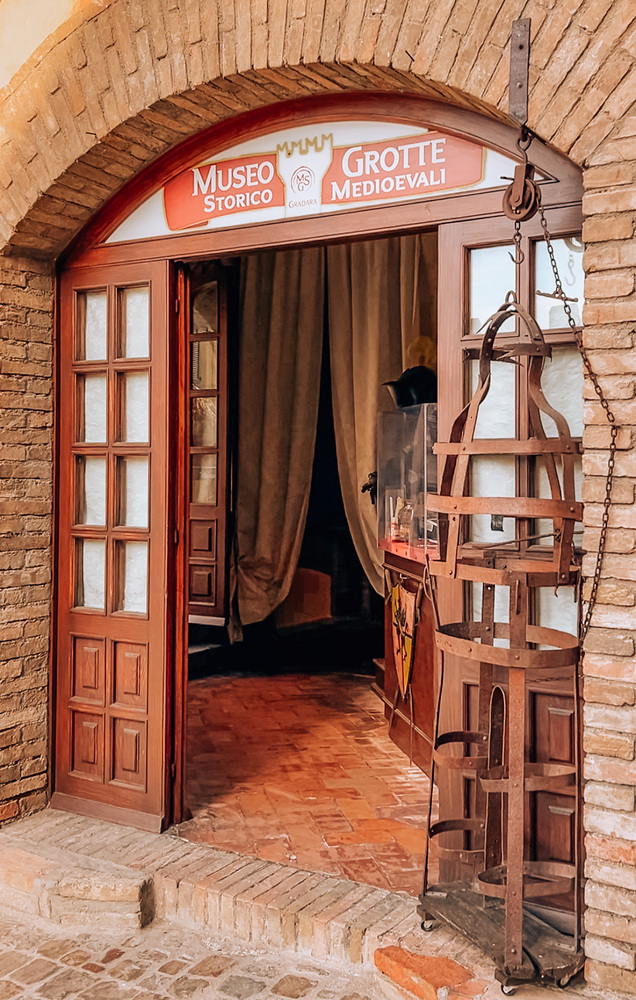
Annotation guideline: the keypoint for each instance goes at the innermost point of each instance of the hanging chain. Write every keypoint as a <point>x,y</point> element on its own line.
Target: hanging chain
<point>519,256</point>
<point>611,461</point>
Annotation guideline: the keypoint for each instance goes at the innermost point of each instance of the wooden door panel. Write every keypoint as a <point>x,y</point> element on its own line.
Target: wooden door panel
<point>88,751</point>
<point>203,539</point>
<point>129,743</point>
<point>89,670</point>
<point>553,729</point>
<point>131,675</point>
<point>554,827</point>
<point>206,290</point>
<point>111,652</point>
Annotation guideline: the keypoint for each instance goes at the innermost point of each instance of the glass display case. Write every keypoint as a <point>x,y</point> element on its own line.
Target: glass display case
<point>407,470</point>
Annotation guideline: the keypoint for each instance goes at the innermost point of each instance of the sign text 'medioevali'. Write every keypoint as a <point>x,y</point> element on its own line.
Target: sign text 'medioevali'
<point>312,175</point>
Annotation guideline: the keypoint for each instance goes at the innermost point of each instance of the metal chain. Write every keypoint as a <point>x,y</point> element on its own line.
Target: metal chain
<point>611,461</point>
<point>519,255</point>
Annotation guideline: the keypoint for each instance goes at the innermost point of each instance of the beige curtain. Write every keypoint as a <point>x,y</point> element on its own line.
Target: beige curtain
<point>381,298</point>
<point>279,383</point>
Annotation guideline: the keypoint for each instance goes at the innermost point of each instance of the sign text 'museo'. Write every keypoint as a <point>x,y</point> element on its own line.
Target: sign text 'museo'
<point>311,175</point>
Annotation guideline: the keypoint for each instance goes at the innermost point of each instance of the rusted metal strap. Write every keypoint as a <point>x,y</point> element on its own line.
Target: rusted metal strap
<point>553,879</point>
<point>461,639</point>
<point>540,573</point>
<point>458,826</point>
<point>527,507</point>
<point>509,446</point>
<point>539,777</point>
<point>460,763</point>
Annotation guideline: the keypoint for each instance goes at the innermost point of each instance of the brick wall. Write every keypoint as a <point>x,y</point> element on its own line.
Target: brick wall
<point>609,205</point>
<point>125,80</point>
<point>26,415</point>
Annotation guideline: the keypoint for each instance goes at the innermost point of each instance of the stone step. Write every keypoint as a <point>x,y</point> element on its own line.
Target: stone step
<point>101,869</point>
<point>67,888</point>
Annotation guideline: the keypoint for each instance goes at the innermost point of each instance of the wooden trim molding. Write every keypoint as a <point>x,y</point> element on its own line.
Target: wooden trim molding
<point>563,186</point>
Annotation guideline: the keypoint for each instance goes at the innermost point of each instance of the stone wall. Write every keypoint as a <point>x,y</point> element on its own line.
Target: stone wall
<point>123,81</point>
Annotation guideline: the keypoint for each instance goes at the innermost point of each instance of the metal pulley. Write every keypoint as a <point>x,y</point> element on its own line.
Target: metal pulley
<point>521,199</point>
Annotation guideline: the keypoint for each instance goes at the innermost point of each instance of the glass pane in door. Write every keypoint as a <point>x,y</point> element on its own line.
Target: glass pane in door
<point>491,276</point>
<point>562,384</point>
<point>204,364</point>
<point>91,340</point>
<point>492,476</point>
<point>134,407</point>
<point>134,312</point>
<point>558,611</point>
<point>91,407</point>
<point>501,610</point>
<point>205,308</point>
<point>203,479</point>
<point>90,490</point>
<point>132,492</point>
<point>132,567</point>
<point>496,417</point>
<point>548,309</point>
<point>90,573</point>
<point>203,428</point>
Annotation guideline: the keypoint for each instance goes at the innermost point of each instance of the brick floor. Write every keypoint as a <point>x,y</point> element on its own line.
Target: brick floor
<point>300,769</point>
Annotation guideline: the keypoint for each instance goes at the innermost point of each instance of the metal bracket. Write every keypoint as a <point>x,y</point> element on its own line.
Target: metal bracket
<point>519,67</point>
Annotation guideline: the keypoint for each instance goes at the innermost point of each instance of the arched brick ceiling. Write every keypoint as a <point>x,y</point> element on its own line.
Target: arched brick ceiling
<point>125,80</point>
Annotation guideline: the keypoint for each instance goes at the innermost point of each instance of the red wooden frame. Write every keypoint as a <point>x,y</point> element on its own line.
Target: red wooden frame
<point>141,802</point>
<point>562,188</point>
<point>88,246</point>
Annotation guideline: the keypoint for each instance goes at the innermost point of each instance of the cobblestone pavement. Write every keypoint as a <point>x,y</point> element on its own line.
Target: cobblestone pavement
<point>168,962</point>
<point>159,963</point>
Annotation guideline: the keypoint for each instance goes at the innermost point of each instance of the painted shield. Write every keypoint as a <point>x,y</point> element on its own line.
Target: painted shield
<point>403,629</point>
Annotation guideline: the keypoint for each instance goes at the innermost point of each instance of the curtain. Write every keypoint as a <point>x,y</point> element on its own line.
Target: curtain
<point>381,297</point>
<point>279,381</point>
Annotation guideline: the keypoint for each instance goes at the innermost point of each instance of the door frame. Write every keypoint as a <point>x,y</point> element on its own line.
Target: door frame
<point>143,807</point>
<point>562,189</point>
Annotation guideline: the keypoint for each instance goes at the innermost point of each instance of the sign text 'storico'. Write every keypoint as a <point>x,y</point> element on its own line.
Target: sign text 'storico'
<point>313,170</point>
<point>312,175</point>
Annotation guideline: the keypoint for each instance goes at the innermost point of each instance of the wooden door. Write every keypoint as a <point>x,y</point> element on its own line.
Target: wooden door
<point>206,291</point>
<point>111,691</point>
<point>206,294</point>
<point>477,273</point>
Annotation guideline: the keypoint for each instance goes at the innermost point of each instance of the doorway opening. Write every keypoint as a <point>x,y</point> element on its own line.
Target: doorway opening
<point>293,752</point>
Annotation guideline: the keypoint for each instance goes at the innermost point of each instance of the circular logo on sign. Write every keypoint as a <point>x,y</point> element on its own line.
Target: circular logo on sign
<point>302,178</point>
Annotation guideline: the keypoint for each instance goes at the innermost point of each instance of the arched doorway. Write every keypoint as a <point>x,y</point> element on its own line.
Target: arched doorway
<point>125,537</point>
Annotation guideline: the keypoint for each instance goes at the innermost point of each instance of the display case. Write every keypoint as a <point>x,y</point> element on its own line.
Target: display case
<point>407,470</point>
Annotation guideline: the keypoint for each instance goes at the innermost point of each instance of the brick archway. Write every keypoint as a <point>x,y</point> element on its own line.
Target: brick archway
<point>125,80</point>
<point>120,83</point>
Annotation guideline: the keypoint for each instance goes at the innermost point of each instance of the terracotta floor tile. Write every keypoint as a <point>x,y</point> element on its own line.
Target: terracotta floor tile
<point>413,840</point>
<point>356,809</point>
<point>300,769</point>
<point>369,832</point>
<point>366,871</point>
